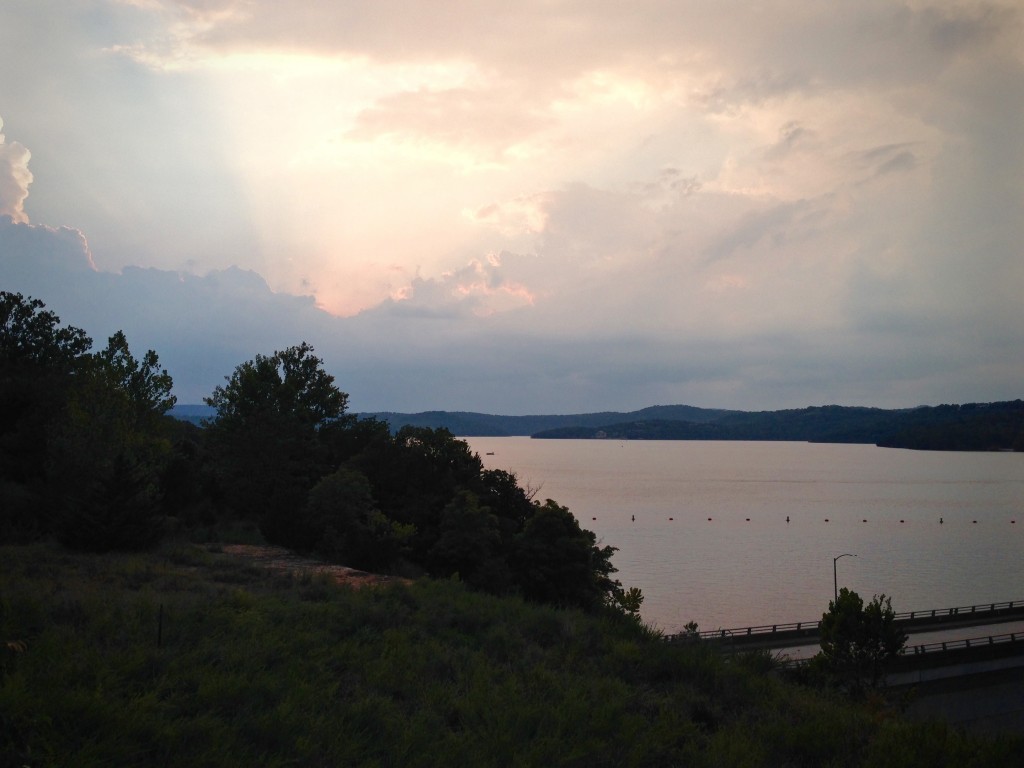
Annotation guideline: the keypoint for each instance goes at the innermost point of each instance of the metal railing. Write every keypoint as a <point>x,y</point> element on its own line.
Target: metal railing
<point>972,643</point>
<point>953,645</point>
<point>961,610</point>
<point>981,609</point>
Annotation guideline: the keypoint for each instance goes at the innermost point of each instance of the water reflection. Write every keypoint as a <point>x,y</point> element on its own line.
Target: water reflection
<point>746,565</point>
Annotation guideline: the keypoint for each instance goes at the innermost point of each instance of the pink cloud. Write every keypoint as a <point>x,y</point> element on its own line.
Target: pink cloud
<point>15,178</point>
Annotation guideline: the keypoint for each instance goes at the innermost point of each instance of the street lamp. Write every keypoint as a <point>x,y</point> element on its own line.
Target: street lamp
<point>835,580</point>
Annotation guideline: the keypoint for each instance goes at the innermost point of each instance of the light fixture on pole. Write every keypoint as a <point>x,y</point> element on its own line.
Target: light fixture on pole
<point>835,580</point>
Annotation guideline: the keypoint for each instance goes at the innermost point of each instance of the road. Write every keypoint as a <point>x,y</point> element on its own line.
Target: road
<point>807,650</point>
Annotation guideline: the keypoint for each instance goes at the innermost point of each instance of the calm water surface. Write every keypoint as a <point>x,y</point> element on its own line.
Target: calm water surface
<point>697,557</point>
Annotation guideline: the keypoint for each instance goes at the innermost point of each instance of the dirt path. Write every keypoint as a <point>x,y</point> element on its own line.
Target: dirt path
<point>282,560</point>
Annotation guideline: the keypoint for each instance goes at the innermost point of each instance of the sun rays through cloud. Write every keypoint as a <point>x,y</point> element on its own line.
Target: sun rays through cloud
<point>661,177</point>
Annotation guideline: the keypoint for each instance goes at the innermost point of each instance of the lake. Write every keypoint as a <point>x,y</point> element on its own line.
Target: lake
<point>710,541</point>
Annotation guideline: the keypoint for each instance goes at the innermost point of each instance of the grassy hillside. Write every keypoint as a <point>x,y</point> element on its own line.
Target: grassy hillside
<point>190,657</point>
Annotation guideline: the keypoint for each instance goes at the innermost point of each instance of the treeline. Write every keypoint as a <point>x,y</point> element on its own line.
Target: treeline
<point>470,424</point>
<point>970,427</point>
<point>90,456</point>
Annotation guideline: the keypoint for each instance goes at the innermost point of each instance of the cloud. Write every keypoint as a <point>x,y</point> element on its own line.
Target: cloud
<point>776,224</point>
<point>15,178</point>
<point>435,350</point>
<point>532,206</point>
<point>489,121</point>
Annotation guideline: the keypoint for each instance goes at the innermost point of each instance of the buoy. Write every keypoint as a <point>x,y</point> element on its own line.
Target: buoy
<point>940,521</point>
<point>787,518</point>
<point>633,518</point>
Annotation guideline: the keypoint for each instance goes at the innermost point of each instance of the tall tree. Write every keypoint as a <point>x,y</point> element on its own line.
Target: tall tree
<point>109,450</point>
<point>857,640</point>
<point>37,359</point>
<point>290,383</point>
<point>145,384</point>
<point>556,561</point>
<point>32,335</point>
<point>265,435</point>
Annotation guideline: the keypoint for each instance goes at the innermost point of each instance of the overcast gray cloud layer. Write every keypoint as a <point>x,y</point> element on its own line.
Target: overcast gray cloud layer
<point>530,207</point>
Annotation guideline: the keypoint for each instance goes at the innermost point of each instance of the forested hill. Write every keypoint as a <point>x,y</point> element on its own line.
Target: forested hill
<point>968,427</point>
<point>468,424</point>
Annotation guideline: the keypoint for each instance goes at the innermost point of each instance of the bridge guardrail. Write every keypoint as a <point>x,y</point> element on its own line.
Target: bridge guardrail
<point>981,609</point>
<point>924,649</point>
<point>953,645</point>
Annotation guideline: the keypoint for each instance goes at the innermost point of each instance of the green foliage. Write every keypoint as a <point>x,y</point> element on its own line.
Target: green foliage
<point>117,510</point>
<point>187,488</point>
<point>416,474</point>
<point>556,561</point>
<point>265,436</point>
<point>256,669</point>
<point>31,335</point>
<point>109,470</point>
<point>857,640</point>
<point>146,386</point>
<point>343,523</point>
<point>627,600</point>
<point>74,427</point>
<point>290,383</point>
<point>108,451</point>
<point>37,358</point>
<point>469,544</point>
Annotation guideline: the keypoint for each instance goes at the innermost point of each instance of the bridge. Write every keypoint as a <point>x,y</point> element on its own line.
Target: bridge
<point>975,682</point>
<point>803,633</point>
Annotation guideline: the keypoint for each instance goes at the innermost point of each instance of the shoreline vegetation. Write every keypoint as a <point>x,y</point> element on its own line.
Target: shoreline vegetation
<point>194,655</point>
<point>968,427</point>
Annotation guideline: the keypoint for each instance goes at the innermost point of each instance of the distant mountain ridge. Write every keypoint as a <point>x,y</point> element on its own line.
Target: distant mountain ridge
<point>469,424</point>
<point>193,413</point>
<point>969,427</point>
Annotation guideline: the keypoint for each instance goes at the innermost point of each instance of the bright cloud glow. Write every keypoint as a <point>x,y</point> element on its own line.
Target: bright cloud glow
<point>15,178</point>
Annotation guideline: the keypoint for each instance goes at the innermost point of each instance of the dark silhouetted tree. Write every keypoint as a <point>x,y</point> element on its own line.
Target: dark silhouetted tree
<point>857,640</point>
<point>37,360</point>
<point>342,523</point>
<point>469,544</point>
<point>112,429</point>
<point>265,436</point>
<point>556,561</point>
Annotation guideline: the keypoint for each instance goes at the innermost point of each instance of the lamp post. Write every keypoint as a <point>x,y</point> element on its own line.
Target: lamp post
<point>835,580</point>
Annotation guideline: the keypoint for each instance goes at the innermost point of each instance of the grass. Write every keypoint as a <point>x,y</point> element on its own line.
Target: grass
<point>188,657</point>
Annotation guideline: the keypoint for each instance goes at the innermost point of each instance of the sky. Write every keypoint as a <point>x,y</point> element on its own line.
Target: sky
<point>547,206</point>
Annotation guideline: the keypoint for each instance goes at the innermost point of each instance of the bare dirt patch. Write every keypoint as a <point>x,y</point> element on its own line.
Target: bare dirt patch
<point>281,560</point>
